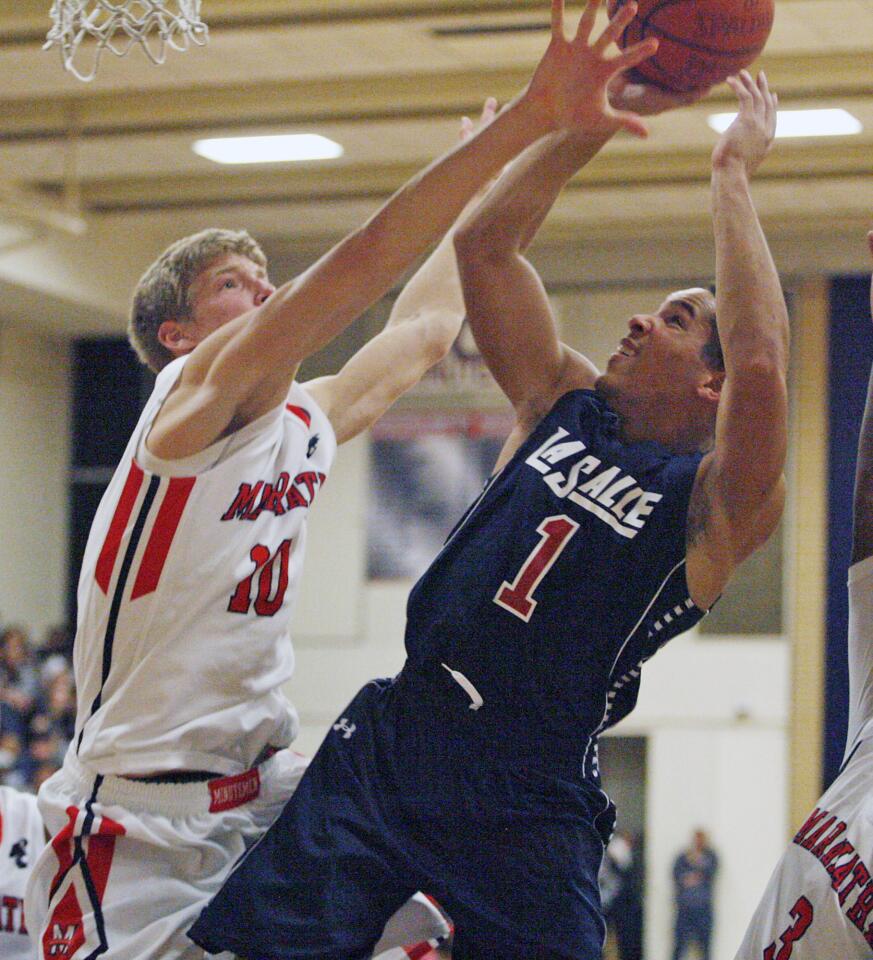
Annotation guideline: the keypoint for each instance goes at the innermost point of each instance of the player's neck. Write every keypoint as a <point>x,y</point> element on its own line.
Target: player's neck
<point>644,419</point>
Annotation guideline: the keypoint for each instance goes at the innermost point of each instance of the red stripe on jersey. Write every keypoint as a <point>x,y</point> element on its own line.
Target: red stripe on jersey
<point>65,933</point>
<point>109,552</point>
<point>161,539</point>
<point>65,924</point>
<point>300,412</point>
<point>419,951</point>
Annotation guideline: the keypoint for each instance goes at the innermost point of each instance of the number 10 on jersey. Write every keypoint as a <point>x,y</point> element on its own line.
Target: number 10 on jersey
<point>516,597</point>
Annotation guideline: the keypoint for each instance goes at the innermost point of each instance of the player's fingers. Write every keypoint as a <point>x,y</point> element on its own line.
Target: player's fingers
<point>466,130</point>
<point>741,91</point>
<point>633,123</point>
<point>771,104</point>
<point>634,55</point>
<point>586,22</point>
<point>489,109</point>
<point>752,86</point>
<point>558,19</point>
<point>616,26</point>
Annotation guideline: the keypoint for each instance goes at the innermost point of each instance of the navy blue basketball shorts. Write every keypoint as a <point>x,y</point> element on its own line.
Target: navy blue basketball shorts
<point>405,795</point>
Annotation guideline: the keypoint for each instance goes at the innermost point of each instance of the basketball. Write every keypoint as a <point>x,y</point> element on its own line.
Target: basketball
<point>701,41</point>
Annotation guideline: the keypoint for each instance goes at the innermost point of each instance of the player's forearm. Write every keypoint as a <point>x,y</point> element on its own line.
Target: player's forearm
<point>303,316</point>
<point>751,312</point>
<point>508,218</point>
<point>435,288</point>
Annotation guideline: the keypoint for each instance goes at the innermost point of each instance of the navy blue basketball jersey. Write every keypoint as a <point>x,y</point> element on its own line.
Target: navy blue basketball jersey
<point>563,577</point>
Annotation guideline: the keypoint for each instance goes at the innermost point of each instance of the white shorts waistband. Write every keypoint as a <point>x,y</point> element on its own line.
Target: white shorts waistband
<point>168,799</point>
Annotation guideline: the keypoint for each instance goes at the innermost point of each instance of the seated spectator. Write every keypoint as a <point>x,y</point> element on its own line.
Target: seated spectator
<point>57,641</point>
<point>12,736</point>
<point>19,676</point>
<point>55,710</point>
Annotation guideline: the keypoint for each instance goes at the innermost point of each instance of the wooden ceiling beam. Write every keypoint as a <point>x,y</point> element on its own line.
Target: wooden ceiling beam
<point>414,96</point>
<point>330,184</point>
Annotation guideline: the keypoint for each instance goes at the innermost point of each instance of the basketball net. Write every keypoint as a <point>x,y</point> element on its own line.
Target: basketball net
<point>83,29</point>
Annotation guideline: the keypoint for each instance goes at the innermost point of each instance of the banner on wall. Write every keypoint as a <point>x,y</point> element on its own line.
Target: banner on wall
<point>462,373</point>
<point>426,468</point>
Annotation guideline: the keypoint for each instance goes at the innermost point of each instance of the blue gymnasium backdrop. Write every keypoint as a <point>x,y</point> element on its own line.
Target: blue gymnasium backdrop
<point>850,355</point>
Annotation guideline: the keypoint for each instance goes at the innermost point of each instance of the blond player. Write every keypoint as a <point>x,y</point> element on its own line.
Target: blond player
<point>818,904</point>
<point>180,757</point>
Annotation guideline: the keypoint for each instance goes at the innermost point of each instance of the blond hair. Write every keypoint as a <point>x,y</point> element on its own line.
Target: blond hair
<point>163,290</point>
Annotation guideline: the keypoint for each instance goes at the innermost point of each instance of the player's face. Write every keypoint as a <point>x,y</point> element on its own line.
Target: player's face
<point>663,351</point>
<point>226,289</point>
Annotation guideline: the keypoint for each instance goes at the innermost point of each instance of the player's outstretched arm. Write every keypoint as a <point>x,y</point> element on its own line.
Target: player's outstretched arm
<point>862,531</point>
<point>507,306</point>
<point>740,490</point>
<point>244,369</point>
<point>424,322</point>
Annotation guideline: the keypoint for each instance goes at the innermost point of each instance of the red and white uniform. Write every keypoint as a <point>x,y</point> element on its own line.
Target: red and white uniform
<point>185,598</point>
<point>186,594</point>
<point>818,904</point>
<point>22,838</point>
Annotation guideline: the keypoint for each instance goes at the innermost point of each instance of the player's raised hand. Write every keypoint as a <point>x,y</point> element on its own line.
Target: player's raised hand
<point>469,127</point>
<point>570,83</point>
<point>648,99</point>
<point>749,138</point>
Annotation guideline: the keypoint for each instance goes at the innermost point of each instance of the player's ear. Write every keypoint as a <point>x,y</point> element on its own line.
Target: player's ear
<point>710,387</point>
<point>176,337</point>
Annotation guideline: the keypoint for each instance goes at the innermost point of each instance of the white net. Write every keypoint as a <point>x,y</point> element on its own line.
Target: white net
<point>83,29</point>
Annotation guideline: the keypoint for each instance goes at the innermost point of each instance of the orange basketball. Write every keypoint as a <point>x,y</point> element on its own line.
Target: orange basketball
<point>701,41</point>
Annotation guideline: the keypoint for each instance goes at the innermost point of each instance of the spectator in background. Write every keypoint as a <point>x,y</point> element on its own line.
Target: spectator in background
<point>620,894</point>
<point>693,874</point>
<point>12,733</point>
<point>19,674</point>
<point>52,723</point>
<point>57,641</point>
<point>37,706</point>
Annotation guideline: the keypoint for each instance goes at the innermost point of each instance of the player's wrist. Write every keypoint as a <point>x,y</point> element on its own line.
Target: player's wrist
<point>536,114</point>
<point>727,165</point>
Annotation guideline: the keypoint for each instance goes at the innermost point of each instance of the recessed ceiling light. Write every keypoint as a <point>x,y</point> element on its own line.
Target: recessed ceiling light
<point>801,123</point>
<point>285,148</point>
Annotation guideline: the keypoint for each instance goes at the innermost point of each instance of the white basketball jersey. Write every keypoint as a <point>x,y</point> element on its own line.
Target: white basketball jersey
<point>22,838</point>
<point>818,904</point>
<point>186,594</point>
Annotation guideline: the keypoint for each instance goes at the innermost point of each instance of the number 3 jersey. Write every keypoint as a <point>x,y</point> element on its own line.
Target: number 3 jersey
<point>186,592</point>
<point>818,904</point>
<point>565,575</point>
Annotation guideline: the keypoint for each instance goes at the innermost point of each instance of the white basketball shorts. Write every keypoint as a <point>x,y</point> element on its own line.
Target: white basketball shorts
<point>131,864</point>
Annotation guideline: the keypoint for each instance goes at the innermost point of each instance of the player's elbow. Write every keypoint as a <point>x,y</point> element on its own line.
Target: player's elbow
<point>439,332</point>
<point>478,243</point>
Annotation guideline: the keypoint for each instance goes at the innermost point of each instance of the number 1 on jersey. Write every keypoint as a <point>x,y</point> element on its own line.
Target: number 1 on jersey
<point>555,534</point>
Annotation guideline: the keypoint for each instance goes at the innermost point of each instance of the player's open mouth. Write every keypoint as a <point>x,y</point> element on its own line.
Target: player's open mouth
<point>627,348</point>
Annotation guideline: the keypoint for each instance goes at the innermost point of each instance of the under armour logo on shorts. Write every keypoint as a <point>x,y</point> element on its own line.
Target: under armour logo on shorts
<point>347,728</point>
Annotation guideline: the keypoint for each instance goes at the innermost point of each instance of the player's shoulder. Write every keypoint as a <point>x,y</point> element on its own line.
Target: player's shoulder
<point>861,570</point>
